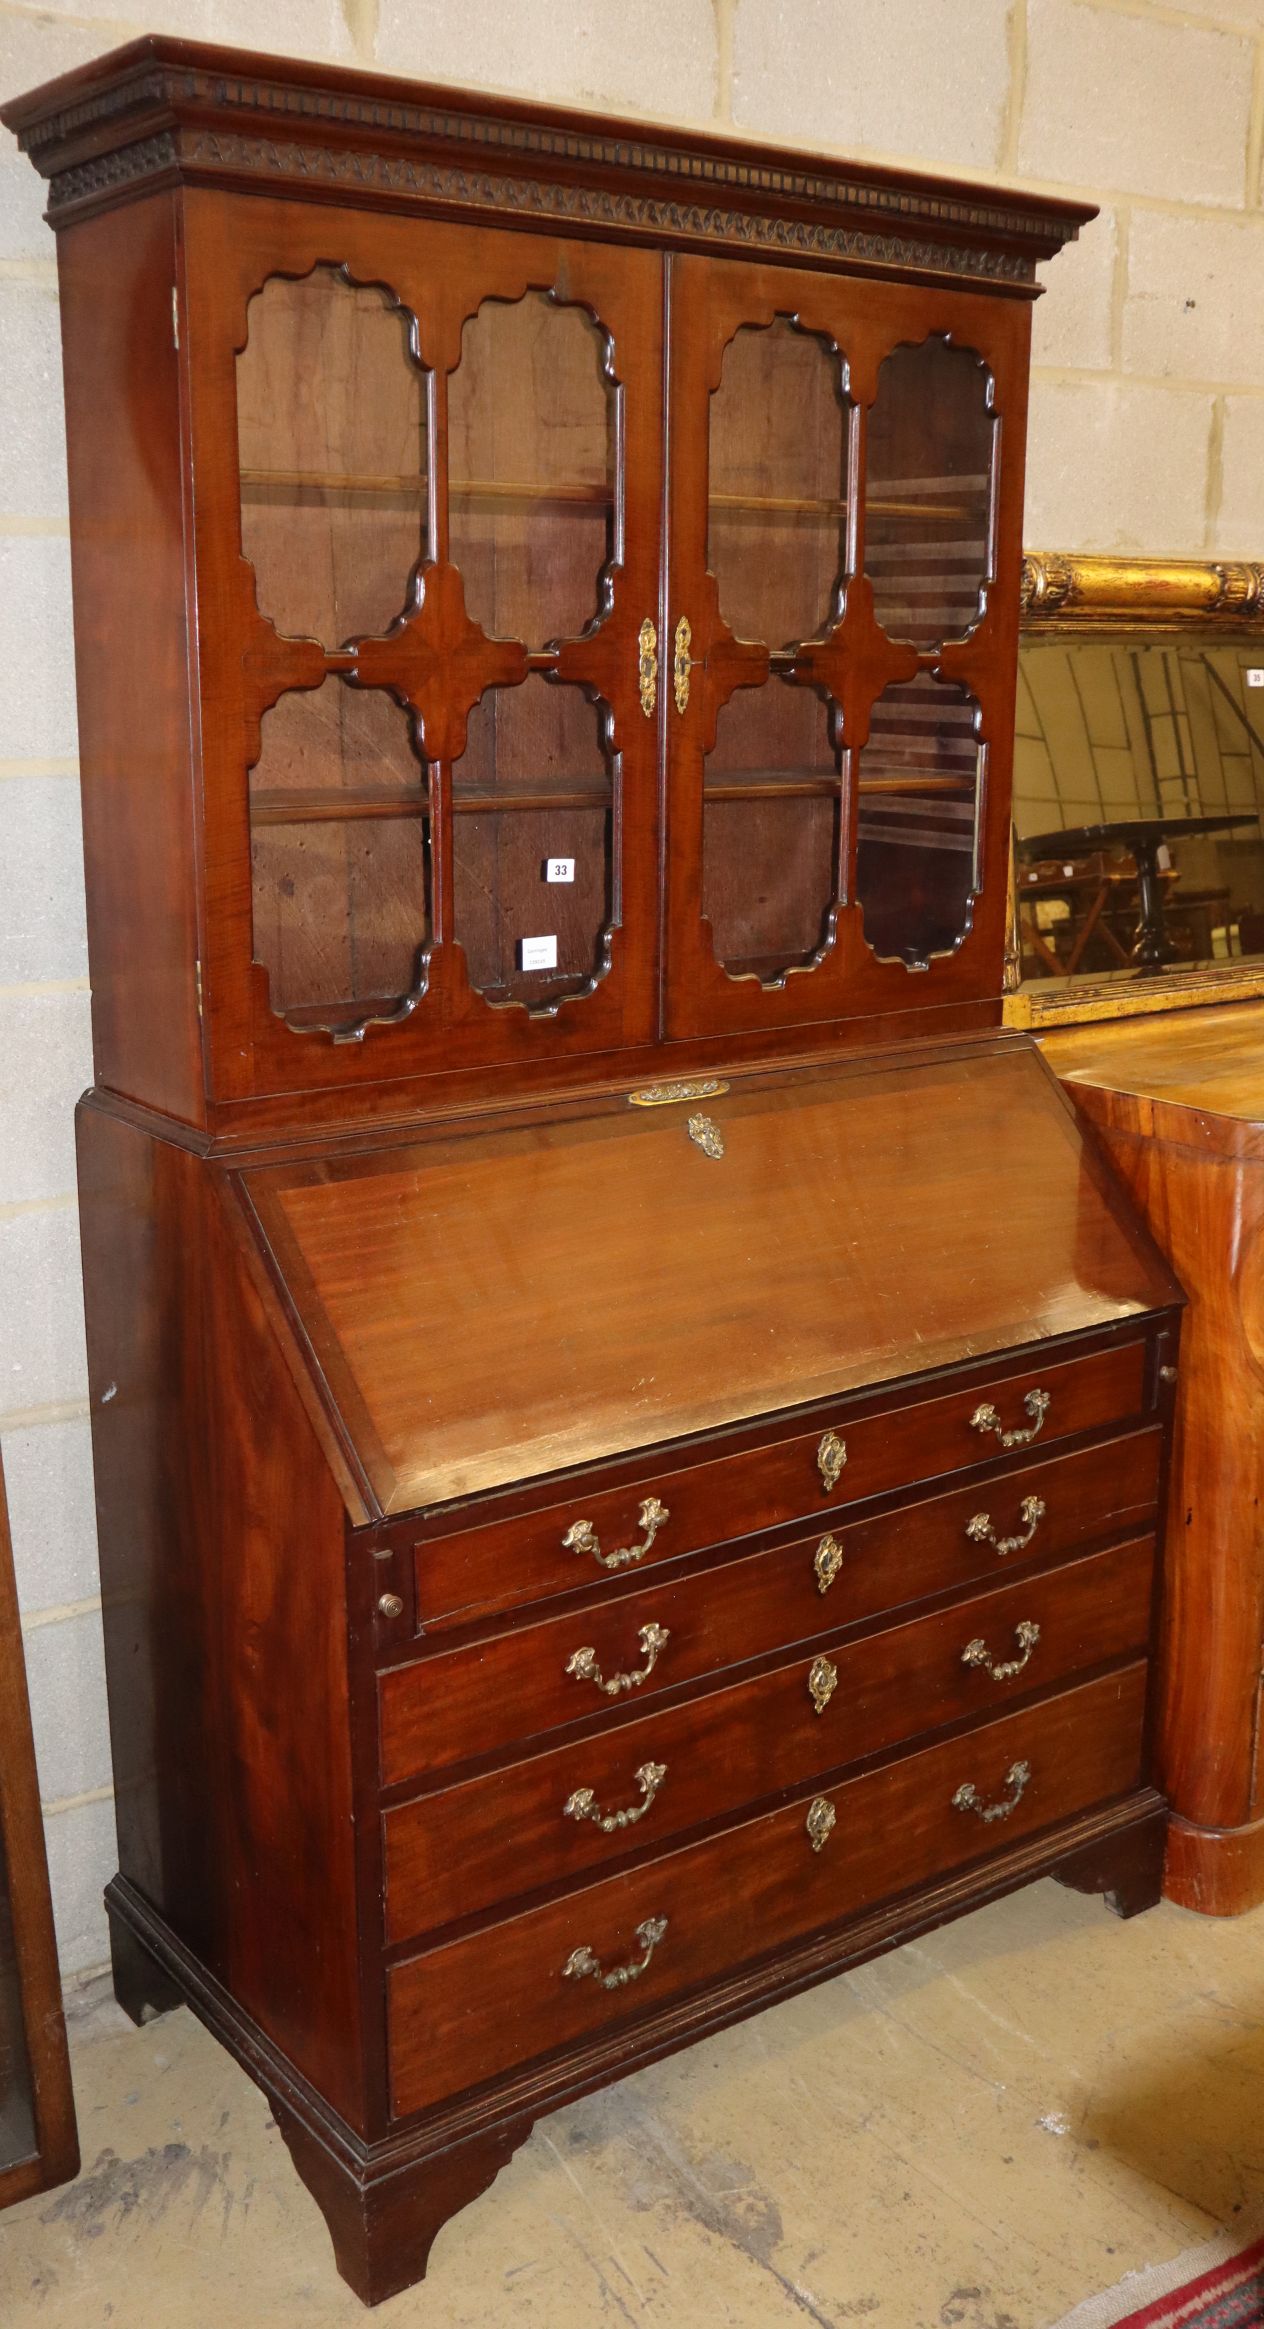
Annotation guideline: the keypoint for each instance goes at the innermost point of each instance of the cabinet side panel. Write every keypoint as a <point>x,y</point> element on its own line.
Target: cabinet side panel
<point>117,275</point>
<point>223,1574</point>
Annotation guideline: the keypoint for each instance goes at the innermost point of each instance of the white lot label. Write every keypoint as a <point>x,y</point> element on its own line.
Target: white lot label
<point>559,869</point>
<point>1254,677</point>
<point>537,954</point>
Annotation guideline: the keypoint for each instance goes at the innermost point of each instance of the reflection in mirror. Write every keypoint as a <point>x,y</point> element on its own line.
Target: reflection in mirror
<point>532,429</point>
<point>777,498</point>
<point>928,491</point>
<point>340,854</point>
<point>918,821</point>
<point>332,437</point>
<point>1138,800</point>
<point>533,863</point>
<point>770,830</point>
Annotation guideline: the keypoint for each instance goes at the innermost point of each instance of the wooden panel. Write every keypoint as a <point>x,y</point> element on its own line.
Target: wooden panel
<point>1204,1061</point>
<point>464,1848</point>
<point>462,2013</point>
<point>222,1537</point>
<point>471,1702</point>
<point>126,468</point>
<point>474,1571</point>
<point>597,1282</point>
<point>39,2145</point>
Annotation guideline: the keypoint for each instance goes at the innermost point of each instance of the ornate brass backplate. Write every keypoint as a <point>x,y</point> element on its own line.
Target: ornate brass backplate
<point>1071,596</point>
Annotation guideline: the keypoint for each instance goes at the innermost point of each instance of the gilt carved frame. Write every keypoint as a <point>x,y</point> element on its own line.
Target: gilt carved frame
<point>1069,595</point>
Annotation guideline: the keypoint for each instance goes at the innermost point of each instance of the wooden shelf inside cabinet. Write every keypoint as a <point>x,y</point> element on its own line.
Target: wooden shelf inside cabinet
<point>771,788</point>
<point>337,808</point>
<point>415,486</point>
<point>830,505</point>
<point>596,496</point>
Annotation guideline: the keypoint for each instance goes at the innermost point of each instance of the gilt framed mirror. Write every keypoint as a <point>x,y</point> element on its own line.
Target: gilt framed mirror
<point>1138,859</point>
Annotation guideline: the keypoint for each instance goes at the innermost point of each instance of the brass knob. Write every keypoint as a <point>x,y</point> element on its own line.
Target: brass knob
<point>390,1605</point>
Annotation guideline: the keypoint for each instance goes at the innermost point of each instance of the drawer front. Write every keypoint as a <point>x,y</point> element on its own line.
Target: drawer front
<point>506,1562</point>
<point>539,1822</point>
<point>466,2012</point>
<point>458,1704</point>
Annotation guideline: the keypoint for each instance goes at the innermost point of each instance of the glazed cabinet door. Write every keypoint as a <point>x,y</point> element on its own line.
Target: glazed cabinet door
<point>845,491</point>
<point>427,485</point>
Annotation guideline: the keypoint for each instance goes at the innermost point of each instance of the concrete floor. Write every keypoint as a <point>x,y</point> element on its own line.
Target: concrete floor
<point>975,2133</point>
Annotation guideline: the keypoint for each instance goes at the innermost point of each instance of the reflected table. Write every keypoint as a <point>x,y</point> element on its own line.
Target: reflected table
<point>1144,837</point>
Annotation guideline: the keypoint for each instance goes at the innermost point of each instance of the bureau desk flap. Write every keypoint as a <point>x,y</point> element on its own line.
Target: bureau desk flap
<point>487,1303</point>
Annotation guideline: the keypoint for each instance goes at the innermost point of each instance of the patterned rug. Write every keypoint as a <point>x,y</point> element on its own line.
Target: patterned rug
<point>1207,2288</point>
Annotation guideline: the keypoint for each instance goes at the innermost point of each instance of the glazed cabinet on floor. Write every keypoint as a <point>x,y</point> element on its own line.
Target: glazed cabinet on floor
<point>629,1420</point>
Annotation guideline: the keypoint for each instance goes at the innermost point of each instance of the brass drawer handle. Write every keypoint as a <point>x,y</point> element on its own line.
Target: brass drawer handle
<point>831,1456</point>
<point>583,1663</point>
<point>582,1537</point>
<point>967,1797</point>
<point>820,1821</point>
<point>822,1683</point>
<point>582,1805</point>
<point>1037,1404</point>
<point>826,1562</point>
<point>583,1963</point>
<point>1031,1512</point>
<point>976,1653</point>
<point>647,667</point>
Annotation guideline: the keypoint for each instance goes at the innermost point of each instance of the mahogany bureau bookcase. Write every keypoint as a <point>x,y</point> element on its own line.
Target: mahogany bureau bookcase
<point>629,1415</point>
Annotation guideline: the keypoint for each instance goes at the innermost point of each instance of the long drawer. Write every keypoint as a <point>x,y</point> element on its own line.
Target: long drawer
<point>462,1849</point>
<point>506,1561</point>
<point>463,2012</point>
<point>457,1704</point>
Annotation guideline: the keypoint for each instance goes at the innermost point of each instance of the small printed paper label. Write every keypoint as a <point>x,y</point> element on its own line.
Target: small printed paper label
<point>1254,676</point>
<point>559,869</point>
<point>537,954</point>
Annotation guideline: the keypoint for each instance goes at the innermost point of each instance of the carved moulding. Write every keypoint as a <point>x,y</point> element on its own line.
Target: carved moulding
<point>1071,593</point>
<point>159,107</point>
<point>216,154</point>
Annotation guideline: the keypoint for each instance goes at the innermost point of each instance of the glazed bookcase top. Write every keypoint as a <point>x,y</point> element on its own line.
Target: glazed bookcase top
<point>160,111</point>
<point>487,1306</point>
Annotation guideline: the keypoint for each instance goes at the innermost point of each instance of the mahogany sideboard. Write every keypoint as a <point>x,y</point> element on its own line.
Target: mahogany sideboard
<point>629,1416</point>
<point>1179,1102</point>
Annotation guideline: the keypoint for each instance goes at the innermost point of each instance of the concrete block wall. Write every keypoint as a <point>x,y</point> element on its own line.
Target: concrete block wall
<point>1147,435</point>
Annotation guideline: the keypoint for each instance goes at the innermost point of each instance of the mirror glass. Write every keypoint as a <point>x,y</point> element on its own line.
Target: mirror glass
<point>1138,805</point>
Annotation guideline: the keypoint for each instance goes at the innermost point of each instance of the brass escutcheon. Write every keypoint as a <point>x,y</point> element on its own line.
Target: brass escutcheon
<point>705,1134</point>
<point>827,1561</point>
<point>831,1458</point>
<point>822,1683</point>
<point>647,667</point>
<point>682,663</point>
<point>820,1821</point>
